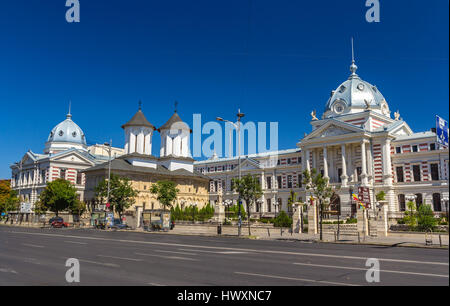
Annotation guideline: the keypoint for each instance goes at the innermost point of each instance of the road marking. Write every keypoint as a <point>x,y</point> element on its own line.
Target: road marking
<point>155,284</point>
<point>182,253</point>
<point>33,245</point>
<point>106,264</point>
<point>123,258</point>
<point>75,242</point>
<point>365,269</point>
<point>167,257</point>
<point>216,252</point>
<point>5,270</point>
<point>236,249</point>
<point>297,279</point>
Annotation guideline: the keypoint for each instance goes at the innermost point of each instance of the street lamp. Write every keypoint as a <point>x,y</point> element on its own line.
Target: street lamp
<point>227,204</point>
<point>108,145</point>
<point>237,125</point>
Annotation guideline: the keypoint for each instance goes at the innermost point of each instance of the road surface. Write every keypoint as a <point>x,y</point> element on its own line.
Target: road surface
<point>30,256</point>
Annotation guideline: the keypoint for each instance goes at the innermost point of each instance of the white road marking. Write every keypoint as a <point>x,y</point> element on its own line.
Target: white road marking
<point>365,269</point>
<point>123,258</point>
<point>106,264</point>
<point>33,245</point>
<point>76,242</point>
<point>6,270</point>
<point>297,279</point>
<point>216,252</point>
<point>167,257</point>
<point>174,252</point>
<point>236,249</point>
<point>155,284</point>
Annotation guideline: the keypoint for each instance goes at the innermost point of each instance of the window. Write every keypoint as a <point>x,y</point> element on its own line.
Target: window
<point>299,160</point>
<point>401,202</point>
<point>278,162</point>
<point>415,149</point>
<point>79,178</point>
<point>299,183</point>
<point>289,161</point>
<point>437,202</point>
<point>419,200</point>
<point>398,150</point>
<point>434,172</point>
<point>62,174</point>
<point>399,171</point>
<point>358,172</point>
<point>269,205</point>
<point>339,175</point>
<point>416,173</point>
<point>289,181</point>
<point>42,176</point>
<point>432,146</point>
<point>269,182</point>
<point>279,181</point>
<point>280,204</point>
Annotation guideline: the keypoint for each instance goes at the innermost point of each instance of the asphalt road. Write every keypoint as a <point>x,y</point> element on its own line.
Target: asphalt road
<point>38,256</point>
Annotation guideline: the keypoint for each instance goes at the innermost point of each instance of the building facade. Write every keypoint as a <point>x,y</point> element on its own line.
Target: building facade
<point>144,169</point>
<point>65,155</point>
<point>356,143</point>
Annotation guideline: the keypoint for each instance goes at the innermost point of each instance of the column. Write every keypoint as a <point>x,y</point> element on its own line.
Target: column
<point>308,165</point>
<point>325,163</point>
<point>387,175</point>
<point>344,167</point>
<point>363,164</point>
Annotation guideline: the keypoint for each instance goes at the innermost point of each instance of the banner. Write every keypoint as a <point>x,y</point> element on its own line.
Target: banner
<point>442,131</point>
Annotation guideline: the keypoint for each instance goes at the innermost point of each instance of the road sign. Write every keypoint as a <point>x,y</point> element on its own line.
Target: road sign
<point>364,196</point>
<point>25,207</point>
<point>442,131</point>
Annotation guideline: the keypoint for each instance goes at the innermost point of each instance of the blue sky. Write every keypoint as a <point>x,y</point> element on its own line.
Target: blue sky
<point>276,61</point>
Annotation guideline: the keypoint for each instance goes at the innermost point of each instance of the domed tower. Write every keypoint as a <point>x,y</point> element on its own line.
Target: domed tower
<point>354,96</point>
<point>138,134</point>
<point>175,137</point>
<point>66,135</point>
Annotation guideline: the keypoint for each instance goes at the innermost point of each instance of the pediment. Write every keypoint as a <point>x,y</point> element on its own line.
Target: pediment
<point>247,165</point>
<point>333,129</point>
<point>72,157</point>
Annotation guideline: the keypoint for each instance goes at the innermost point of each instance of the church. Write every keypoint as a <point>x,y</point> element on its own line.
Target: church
<point>143,169</point>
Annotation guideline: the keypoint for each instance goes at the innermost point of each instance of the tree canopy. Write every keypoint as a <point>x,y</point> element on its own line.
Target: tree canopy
<point>165,191</point>
<point>58,195</point>
<point>8,197</point>
<point>121,193</point>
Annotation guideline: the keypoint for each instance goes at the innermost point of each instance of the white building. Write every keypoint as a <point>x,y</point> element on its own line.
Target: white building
<point>356,143</point>
<point>65,155</point>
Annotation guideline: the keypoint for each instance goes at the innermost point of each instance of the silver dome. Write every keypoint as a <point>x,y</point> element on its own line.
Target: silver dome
<point>67,131</point>
<point>355,95</point>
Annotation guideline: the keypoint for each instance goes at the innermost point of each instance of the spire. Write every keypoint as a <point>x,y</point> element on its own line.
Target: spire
<point>176,106</point>
<point>140,105</point>
<point>69,115</point>
<point>353,66</point>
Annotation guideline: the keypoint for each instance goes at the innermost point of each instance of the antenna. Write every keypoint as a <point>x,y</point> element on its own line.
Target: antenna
<point>69,115</point>
<point>353,53</point>
<point>176,106</point>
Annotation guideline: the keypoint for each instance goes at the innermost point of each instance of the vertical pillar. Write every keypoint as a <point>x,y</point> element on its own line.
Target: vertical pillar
<point>344,167</point>
<point>325,163</point>
<point>387,175</point>
<point>363,164</point>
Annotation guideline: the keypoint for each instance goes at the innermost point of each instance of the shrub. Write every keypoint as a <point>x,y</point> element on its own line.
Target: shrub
<point>351,221</point>
<point>282,220</point>
<point>425,218</point>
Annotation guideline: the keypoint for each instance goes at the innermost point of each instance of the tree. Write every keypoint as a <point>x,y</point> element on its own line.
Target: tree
<point>58,195</point>
<point>410,215</point>
<point>8,197</point>
<point>166,192</point>
<point>121,193</point>
<point>292,199</point>
<point>250,190</point>
<point>320,189</point>
<point>282,220</point>
<point>380,196</point>
<point>425,218</point>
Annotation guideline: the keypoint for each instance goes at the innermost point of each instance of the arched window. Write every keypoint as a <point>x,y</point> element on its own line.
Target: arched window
<point>437,202</point>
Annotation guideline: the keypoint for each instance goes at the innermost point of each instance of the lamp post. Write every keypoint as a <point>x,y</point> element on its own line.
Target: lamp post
<point>108,145</point>
<point>227,204</point>
<point>237,125</point>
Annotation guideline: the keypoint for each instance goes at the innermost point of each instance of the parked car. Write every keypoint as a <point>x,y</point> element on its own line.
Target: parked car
<point>119,225</point>
<point>58,222</point>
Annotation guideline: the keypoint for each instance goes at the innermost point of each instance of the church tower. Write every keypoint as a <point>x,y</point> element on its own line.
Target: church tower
<point>175,137</point>
<point>138,134</point>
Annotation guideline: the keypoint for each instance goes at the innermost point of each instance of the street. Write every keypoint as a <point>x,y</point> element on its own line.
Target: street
<point>30,256</point>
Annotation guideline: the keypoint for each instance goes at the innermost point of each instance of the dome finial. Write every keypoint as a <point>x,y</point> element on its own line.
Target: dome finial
<point>353,66</point>
<point>140,104</point>
<point>69,115</point>
<point>176,106</point>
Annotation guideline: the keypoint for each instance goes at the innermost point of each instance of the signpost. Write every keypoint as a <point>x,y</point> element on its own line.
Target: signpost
<point>364,196</point>
<point>442,131</point>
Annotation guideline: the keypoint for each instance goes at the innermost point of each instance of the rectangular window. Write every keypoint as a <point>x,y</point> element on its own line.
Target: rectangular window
<point>269,182</point>
<point>300,181</point>
<point>42,176</point>
<point>279,182</point>
<point>432,146</point>
<point>401,202</point>
<point>289,181</point>
<point>398,150</point>
<point>289,161</point>
<point>415,149</point>
<point>62,174</point>
<point>79,178</point>
<point>400,177</point>
<point>434,172</point>
<point>339,175</point>
<point>269,205</point>
<point>358,172</point>
<point>416,173</point>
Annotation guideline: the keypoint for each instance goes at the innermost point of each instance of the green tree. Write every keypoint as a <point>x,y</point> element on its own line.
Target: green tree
<point>380,196</point>
<point>166,192</point>
<point>121,193</point>
<point>318,186</point>
<point>249,190</point>
<point>282,220</point>
<point>425,218</point>
<point>58,195</point>
<point>8,197</point>
<point>410,215</point>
